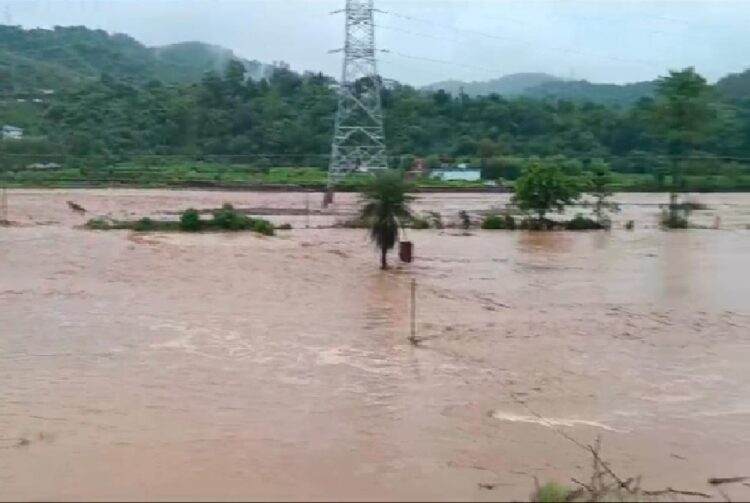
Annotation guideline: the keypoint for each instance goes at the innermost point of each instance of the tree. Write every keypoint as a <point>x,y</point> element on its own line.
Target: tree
<point>601,188</point>
<point>385,205</point>
<point>487,149</point>
<point>681,116</point>
<point>543,187</point>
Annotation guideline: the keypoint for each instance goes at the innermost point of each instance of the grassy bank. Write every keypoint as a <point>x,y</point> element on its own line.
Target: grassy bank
<point>200,175</point>
<point>236,177</point>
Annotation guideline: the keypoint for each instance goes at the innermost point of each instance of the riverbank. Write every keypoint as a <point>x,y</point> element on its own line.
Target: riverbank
<point>229,178</point>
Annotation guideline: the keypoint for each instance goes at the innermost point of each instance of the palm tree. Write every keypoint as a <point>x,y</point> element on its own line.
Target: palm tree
<point>385,205</point>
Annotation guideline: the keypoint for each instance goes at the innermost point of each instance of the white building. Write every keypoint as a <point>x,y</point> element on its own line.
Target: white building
<point>41,165</point>
<point>460,174</point>
<point>12,133</point>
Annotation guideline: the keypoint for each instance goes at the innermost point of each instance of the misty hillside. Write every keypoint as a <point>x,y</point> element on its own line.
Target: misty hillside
<point>194,59</point>
<point>509,85</point>
<point>542,85</point>
<point>582,90</point>
<point>38,58</point>
<point>735,86</point>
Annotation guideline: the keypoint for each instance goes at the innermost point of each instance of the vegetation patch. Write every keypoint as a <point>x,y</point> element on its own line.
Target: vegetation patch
<point>509,223</point>
<point>604,484</point>
<point>499,222</point>
<point>671,220</point>
<point>581,223</point>
<point>226,219</point>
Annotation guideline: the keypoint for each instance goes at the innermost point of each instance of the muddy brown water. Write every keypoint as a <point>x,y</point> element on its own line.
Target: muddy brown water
<point>242,367</point>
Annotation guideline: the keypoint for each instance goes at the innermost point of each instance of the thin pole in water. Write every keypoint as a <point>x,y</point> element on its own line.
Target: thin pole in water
<point>3,203</point>
<point>413,337</point>
<point>307,209</point>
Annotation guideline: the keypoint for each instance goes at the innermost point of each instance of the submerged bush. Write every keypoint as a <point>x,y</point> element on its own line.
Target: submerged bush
<point>435,220</point>
<point>263,227</point>
<point>581,223</point>
<point>538,224</point>
<point>420,223</point>
<point>499,222</point>
<point>552,492</point>
<point>671,220</point>
<point>190,220</point>
<point>229,219</point>
<point>144,225</point>
<point>465,219</point>
<point>98,224</point>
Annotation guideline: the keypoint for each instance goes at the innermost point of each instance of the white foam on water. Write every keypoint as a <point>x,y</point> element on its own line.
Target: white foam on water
<point>549,422</point>
<point>183,343</point>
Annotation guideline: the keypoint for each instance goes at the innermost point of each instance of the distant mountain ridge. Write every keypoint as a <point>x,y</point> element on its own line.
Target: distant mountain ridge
<point>57,58</point>
<point>510,85</point>
<point>543,85</point>
<point>582,90</point>
<point>40,58</point>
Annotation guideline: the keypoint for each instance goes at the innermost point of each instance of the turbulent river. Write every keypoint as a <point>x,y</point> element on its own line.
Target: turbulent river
<point>215,366</point>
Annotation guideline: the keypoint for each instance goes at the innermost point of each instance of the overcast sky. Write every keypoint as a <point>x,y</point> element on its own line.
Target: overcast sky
<point>432,40</point>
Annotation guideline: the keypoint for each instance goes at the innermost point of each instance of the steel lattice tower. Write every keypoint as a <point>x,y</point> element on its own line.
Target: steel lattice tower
<point>359,137</point>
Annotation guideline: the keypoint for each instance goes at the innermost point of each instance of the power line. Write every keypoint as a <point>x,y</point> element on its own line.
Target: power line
<point>441,61</point>
<point>525,43</point>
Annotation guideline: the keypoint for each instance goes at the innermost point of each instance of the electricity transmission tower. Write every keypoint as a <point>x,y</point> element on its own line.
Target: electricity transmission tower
<point>359,137</point>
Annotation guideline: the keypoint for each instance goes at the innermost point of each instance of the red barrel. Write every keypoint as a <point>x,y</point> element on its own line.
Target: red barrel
<point>406,251</point>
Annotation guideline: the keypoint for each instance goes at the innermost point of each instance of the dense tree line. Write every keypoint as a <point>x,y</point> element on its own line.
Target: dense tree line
<point>287,119</point>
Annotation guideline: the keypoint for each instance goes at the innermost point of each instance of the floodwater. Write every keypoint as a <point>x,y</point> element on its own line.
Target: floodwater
<point>166,367</point>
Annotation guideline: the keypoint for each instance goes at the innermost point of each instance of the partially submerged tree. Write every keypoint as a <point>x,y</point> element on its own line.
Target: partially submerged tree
<point>543,187</point>
<point>681,115</point>
<point>600,183</point>
<point>385,206</point>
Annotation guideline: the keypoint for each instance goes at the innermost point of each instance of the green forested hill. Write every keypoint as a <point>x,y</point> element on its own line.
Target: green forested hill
<point>510,85</point>
<point>58,58</point>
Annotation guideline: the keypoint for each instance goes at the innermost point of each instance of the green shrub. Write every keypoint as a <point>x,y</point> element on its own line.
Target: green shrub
<point>263,227</point>
<point>670,220</point>
<point>499,222</point>
<point>98,224</point>
<point>581,223</point>
<point>552,492</point>
<point>537,224</point>
<point>144,225</point>
<point>190,221</point>
<point>229,219</point>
